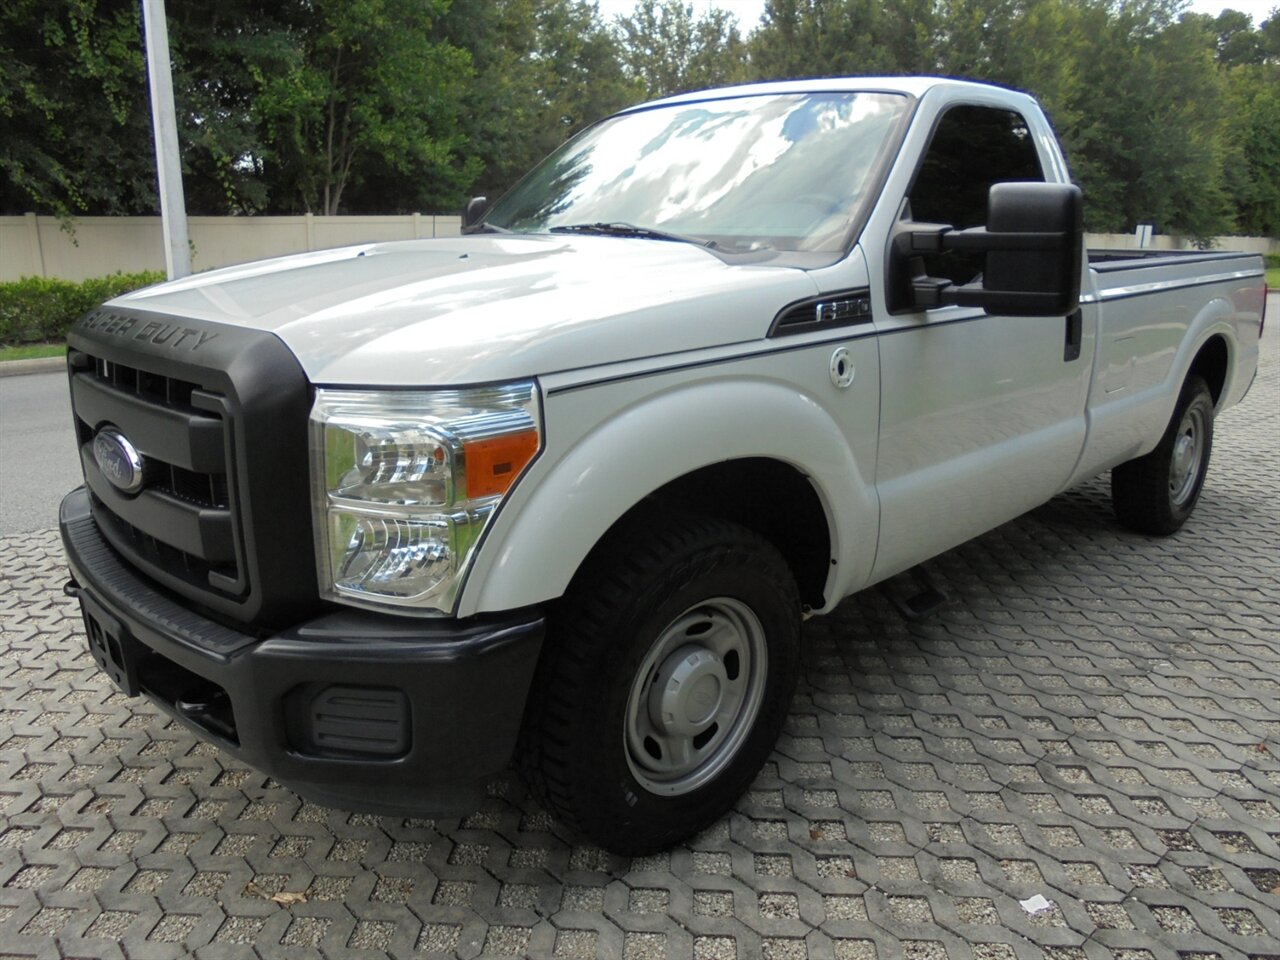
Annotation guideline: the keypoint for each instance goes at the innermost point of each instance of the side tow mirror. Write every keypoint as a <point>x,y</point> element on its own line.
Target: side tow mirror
<point>1033,242</point>
<point>473,211</point>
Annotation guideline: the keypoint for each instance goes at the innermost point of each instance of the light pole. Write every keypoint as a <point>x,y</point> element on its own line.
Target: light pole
<point>173,208</point>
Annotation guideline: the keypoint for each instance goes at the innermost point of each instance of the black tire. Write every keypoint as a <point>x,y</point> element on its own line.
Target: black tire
<point>669,583</point>
<point>1156,493</point>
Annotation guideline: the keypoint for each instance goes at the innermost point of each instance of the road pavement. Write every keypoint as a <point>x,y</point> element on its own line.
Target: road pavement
<point>38,459</point>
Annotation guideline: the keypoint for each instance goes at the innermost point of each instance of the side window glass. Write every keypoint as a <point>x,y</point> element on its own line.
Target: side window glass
<point>972,148</point>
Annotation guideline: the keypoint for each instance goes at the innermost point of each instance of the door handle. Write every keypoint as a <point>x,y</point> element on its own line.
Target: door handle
<point>1075,333</point>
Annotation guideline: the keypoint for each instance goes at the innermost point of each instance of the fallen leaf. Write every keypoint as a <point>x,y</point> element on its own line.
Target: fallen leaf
<point>285,898</point>
<point>1262,747</point>
<point>851,873</point>
<point>815,833</point>
<point>1276,891</point>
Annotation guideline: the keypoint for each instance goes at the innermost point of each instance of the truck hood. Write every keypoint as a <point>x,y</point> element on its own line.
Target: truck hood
<point>485,308</point>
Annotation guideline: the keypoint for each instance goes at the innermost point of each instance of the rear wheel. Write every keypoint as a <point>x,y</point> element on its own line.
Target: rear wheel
<point>1157,492</point>
<point>667,675</point>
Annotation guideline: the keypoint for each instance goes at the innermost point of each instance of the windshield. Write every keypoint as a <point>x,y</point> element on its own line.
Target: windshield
<point>782,172</point>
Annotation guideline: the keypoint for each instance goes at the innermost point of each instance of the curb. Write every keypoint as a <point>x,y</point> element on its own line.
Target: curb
<point>17,368</point>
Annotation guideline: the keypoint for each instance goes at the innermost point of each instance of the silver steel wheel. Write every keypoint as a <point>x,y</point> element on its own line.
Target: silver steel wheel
<point>695,696</point>
<point>1188,452</point>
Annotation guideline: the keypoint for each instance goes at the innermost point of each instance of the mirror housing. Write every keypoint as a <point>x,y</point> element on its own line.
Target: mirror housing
<point>1033,242</point>
<point>473,211</point>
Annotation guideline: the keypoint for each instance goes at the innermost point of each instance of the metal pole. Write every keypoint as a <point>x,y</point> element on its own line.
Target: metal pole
<point>173,208</point>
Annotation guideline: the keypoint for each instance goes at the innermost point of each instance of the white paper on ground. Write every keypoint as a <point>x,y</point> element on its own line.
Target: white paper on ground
<point>1036,904</point>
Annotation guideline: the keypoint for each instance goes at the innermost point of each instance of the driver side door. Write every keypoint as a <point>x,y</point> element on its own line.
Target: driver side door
<point>982,417</point>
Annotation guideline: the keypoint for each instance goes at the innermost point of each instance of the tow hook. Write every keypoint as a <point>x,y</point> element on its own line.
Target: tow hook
<point>71,588</point>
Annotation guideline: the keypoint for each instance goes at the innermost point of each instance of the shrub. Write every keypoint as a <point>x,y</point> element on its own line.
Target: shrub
<point>1272,260</point>
<point>36,309</point>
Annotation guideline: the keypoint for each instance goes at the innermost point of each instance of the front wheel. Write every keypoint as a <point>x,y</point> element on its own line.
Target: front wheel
<point>667,675</point>
<point>1157,492</point>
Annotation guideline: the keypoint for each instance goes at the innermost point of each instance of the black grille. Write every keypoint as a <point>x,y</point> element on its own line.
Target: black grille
<point>137,544</point>
<point>218,412</point>
<point>202,489</point>
<point>160,414</point>
<point>152,386</point>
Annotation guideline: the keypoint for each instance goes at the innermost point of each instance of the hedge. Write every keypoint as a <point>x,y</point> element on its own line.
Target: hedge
<point>36,309</point>
<point>1273,260</point>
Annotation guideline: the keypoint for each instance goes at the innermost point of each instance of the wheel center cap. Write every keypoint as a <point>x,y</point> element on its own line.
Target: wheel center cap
<point>687,693</point>
<point>1182,454</point>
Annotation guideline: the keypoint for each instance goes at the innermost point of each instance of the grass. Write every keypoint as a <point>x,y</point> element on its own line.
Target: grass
<point>1273,278</point>
<point>32,351</point>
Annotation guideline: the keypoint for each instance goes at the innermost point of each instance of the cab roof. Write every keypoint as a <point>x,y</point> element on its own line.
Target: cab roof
<point>915,87</point>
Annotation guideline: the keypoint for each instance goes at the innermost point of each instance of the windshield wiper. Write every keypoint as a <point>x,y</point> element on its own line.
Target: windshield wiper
<point>620,229</point>
<point>483,227</point>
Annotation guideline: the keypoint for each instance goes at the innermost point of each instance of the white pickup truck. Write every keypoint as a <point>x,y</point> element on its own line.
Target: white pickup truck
<point>380,520</point>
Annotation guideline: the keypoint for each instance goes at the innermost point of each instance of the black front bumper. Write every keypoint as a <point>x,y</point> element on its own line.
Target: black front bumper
<point>357,710</point>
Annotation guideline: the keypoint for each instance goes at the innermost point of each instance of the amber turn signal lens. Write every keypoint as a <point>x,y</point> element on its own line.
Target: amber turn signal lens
<point>492,465</point>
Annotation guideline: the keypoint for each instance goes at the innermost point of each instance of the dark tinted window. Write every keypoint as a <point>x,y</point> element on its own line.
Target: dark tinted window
<point>972,148</point>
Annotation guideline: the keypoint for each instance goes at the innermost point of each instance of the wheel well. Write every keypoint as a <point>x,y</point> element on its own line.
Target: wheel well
<point>1211,363</point>
<point>772,498</point>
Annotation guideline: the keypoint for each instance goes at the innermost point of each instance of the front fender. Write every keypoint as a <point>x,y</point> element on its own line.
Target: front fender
<point>580,487</point>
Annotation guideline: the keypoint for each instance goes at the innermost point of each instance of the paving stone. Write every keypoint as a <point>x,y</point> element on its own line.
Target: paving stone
<point>1095,718</point>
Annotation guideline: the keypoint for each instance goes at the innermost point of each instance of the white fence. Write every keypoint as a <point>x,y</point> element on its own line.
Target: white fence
<point>96,246</point>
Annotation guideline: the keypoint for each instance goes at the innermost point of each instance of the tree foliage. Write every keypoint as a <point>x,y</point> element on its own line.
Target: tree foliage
<point>1137,91</point>
<point>73,108</point>
<point>366,90</point>
<point>378,106</point>
<point>1253,152</point>
<point>300,103</point>
<point>543,69</point>
<point>668,50</point>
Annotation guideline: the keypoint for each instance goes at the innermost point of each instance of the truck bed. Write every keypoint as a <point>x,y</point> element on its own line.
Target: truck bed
<point>1119,274</point>
<point>1104,260</point>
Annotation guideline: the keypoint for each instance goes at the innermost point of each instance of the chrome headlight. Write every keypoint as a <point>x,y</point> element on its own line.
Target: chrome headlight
<point>405,481</point>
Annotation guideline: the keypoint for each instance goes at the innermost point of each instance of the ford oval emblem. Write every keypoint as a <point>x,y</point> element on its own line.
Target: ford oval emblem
<point>118,459</point>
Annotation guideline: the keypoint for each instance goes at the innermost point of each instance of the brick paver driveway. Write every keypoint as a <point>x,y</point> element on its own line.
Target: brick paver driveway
<point>1095,719</point>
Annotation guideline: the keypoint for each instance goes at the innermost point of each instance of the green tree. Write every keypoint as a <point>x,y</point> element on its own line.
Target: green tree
<point>1235,40</point>
<point>395,105</point>
<point>367,90</point>
<point>503,112</point>
<point>1270,30</point>
<point>824,38</point>
<point>544,69</point>
<point>975,38</point>
<point>220,53</point>
<point>668,50</point>
<point>1253,159</point>
<point>1155,153</point>
<point>583,78</point>
<point>74,127</point>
